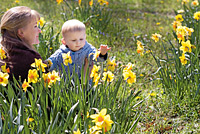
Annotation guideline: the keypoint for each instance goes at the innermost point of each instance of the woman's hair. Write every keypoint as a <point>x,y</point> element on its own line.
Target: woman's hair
<point>72,25</point>
<point>12,20</point>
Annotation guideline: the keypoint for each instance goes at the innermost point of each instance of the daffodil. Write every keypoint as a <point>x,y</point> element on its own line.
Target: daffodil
<point>96,80</point>
<point>67,59</point>
<point>4,69</point>
<point>102,2</point>
<point>129,76</point>
<point>189,31</point>
<point>109,76</point>
<point>176,24</point>
<point>102,120</point>
<point>2,53</point>
<point>197,15</point>
<point>16,1</point>
<point>54,76</point>
<point>96,55</point>
<point>111,65</point>
<point>128,67</point>
<point>33,76</point>
<point>183,59</point>
<point>41,22</point>
<point>195,3</point>
<point>4,78</point>
<point>185,1</point>
<point>94,71</point>
<point>186,47</point>
<point>91,3</point>
<point>25,85</point>
<point>77,132</point>
<point>140,48</point>
<point>179,17</point>
<point>59,1</point>
<point>79,2</point>
<point>152,94</point>
<point>39,65</point>
<point>156,37</point>
<point>47,79</point>
<point>30,119</point>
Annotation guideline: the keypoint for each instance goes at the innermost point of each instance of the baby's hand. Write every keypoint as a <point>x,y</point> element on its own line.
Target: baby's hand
<point>104,49</point>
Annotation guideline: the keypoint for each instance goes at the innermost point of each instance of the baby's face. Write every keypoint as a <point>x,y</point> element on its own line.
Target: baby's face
<point>75,40</point>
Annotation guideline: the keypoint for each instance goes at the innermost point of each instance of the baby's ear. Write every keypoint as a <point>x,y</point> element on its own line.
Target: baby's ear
<point>63,41</point>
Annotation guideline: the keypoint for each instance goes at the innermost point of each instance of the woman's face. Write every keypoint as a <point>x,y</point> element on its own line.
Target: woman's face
<point>30,33</point>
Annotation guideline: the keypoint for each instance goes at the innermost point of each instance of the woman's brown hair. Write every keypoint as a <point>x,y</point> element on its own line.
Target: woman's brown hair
<point>12,20</point>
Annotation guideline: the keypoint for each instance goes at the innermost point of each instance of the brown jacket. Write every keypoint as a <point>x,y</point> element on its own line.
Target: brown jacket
<point>19,61</point>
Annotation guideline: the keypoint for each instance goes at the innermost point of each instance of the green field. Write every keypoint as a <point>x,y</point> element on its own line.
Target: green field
<point>165,97</point>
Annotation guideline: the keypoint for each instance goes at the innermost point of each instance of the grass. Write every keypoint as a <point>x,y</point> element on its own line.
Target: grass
<point>159,113</point>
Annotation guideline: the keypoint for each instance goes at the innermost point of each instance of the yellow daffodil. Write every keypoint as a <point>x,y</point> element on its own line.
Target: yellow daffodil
<point>4,69</point>
<point>4,78</point>
<point>99,117</point>
<point>109,76</point>
<point>67,59</point>
<point>30,119</point>
<point>197,15</point>
<point>185,1</point>
<point>102,120</point>
<point>95,130</point>
<point>94,71</point>
<point>183,59</point>
<point>91,3</point>
<point>96,55</point>
<point>128,67</point>
<point>140,48</point>
<point>189,31</point>
<point>2,53</point>
<point>152,94</point>
<point>25,85</point>
<point>179,17</point>
<point>176,24</point>
<point>186,46</point>
<point>158,23</point>
<point>59,1</point>
<point>156,37</point>
<point>195,3</point>
<point>47,79</point>
<point>79,2</point>
<point>54,76</point>
<point>16,1</point>
<point>77,132</point>
<point>33,76</point>
<point>39,65</point>
<point>96,80</point>
<point>129,76</point>
<point>111,65</point>
<point>41,22</point>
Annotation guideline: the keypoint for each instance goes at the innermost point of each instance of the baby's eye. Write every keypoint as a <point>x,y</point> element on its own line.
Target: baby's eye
<point>81,39</point>
<point>73,40</point>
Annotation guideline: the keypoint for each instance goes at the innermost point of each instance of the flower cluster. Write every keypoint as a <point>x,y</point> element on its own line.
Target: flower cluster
<point>129,76</point>
<point>102,121</point>
<point>183,34</point>
<point>49,78</point>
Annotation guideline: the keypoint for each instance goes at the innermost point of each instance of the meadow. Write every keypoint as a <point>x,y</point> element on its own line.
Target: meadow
<point>149,84</point>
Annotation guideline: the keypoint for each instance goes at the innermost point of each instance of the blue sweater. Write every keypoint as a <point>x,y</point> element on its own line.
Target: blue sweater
<point>78,58</point>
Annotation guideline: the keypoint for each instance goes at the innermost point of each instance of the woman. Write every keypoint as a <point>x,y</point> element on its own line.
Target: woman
<point>19,32</point>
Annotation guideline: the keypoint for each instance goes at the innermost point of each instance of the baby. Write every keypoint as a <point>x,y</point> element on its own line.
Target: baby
<point>81,52</point>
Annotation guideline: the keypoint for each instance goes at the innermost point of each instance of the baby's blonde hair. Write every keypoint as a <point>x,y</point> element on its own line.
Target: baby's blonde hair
<point>72,26</point>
